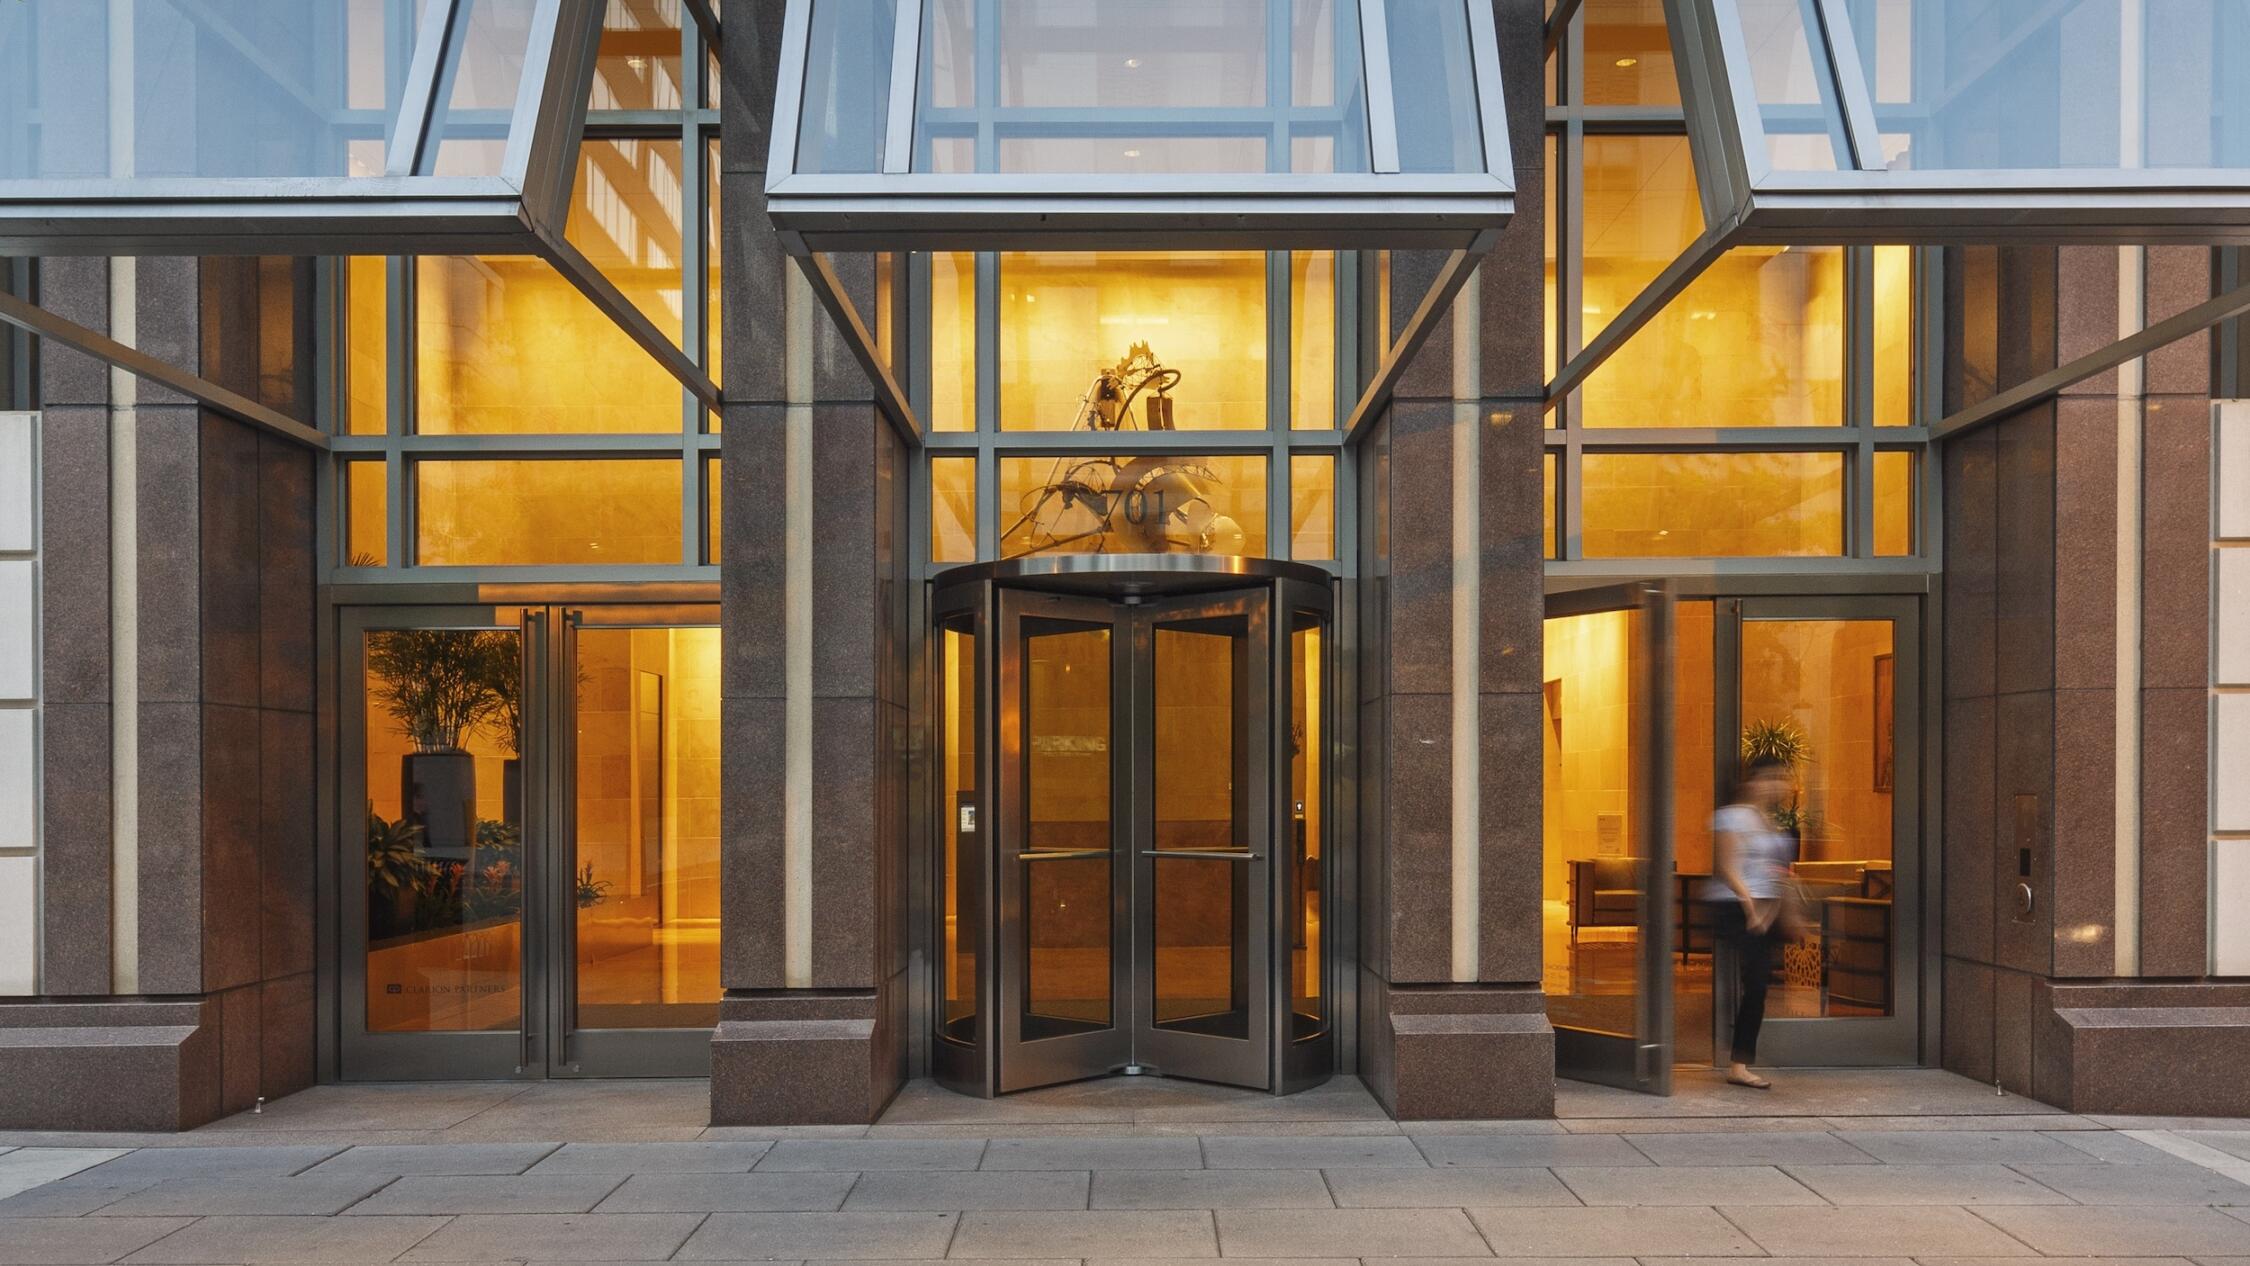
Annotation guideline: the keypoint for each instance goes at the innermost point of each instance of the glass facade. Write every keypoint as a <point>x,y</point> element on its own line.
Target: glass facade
<point>1743,421</point>
<point>491,417</point>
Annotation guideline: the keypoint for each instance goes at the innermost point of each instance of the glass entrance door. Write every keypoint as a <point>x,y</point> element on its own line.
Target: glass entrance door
<point>1609,888</point>
<point>1136,843</point>
<point>530,875</point>
<point>1831,688</point>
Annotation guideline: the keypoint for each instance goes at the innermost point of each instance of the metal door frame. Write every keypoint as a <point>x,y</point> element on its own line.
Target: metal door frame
<point>1247,1061</point>
<point>545,1044</point>
<point>1023,1064</point>
<point>480,1055</point>
<point>1642,1060</point>
<point>1842,1041</point>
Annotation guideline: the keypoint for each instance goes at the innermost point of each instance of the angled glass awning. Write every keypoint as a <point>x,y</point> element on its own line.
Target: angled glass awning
<point>1900,121</point>
<point>300,127</point>
<point>309,127</point>
<point>1139,124</point>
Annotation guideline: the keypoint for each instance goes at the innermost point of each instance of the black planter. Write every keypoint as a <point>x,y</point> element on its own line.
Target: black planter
<point>439,792</point>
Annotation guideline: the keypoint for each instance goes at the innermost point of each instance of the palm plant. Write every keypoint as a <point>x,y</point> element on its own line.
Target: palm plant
<point>1784,744</point>
<point>394,856</point>
<point>436,683</point>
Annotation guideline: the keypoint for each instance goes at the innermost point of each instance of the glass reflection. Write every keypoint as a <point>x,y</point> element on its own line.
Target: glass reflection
<point>445,873</point>
<point>1170,86</point>
<point>963,908</point>
<point>847,86</point>
<point>1592,875</point>
<point>625,217</point>
<point>1199,780</point>
<point>1312,508</point>
<point>1308,790</point>
<point>1971,87</point>
<point>1796,97</point>
<point>644,873</point>
<point>1133,342</point>
<point>477,100</point>
<point>637,66</point>
<point>953,509</point>
<point>612,512</point>
<point>1821,696</point>
<point>1715,505</point>
<point>1150,504</point>
<point>1066,757</point>
<point>1433,87</point>
<point>220,88</point>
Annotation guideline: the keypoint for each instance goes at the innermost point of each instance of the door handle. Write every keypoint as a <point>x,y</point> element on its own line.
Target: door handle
<point>1205,854</point>
<point>1059,854</point>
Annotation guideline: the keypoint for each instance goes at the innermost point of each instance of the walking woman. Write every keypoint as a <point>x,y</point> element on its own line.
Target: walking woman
<point>1749,894</point>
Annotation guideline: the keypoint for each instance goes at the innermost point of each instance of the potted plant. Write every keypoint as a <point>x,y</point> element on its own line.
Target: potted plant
<point>436,683</point>
<point>500,659</point>
<point>1783,743</point>
<point>394,871</point>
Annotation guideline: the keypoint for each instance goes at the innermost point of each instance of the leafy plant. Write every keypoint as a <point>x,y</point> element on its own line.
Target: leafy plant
<point>501,664</point>
<point>591,891</point>
<point>1783,743</point>
<point>436,683</point>
<point>394,857</point>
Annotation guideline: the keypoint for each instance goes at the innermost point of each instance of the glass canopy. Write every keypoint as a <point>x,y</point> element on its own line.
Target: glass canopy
<point>1833,121</point>
<point>1139,124</point>
<point>289,126</point>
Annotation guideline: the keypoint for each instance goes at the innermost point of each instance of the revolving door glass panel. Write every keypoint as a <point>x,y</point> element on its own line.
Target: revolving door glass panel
<point>1151,898</point>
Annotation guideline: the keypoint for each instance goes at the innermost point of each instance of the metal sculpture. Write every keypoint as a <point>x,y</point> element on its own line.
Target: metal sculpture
<point>1150,504</point>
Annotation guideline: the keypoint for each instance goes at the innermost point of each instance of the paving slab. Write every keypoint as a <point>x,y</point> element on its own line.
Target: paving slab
<point>28,1240</point>
<point>729,1193</point>
<point>1310,1152</point>
<point>2124,1231</point>
<point>1924,1185</point>
<point>1535,1150</point>
<point>562,1237</point>
<point>2232,1142</point>
<point>2142,1184</point>
<point>1094,1153</point>
<point>1460,1188</point>
<point>1619,1232</point>
<point>1880,1231</point>
<point>1352,1232</point>
<point>214,1162</point>
<point>1135,1233</point>
<point>941,1191</point>
<point>828,1236</point>
<point>1685,1185</point>
<point>435,1159</point>
<point>1213,1188</point>
<point>70,1197</point>
<point>491,1193</point>
<point>428,1105</point>
<point>247,1194</point>
<point>285,1239</point>
<point>27,1167</point>
<point>1970,1147</point>
<point>803,1155</point>
<point>652,1158</point>
<point>1805,1147</point>
<point>2114,1148</point>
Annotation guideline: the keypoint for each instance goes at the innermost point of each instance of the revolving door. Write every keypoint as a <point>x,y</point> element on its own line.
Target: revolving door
<point>1133,827</point>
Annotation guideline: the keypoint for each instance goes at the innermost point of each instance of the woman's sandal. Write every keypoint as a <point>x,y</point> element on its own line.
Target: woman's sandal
<point>1753,1082</point>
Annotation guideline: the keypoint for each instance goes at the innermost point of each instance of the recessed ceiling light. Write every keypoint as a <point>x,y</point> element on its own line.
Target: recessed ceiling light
<point>1626,63</point>
<point>1132,63</point>
<point>1132,153</point>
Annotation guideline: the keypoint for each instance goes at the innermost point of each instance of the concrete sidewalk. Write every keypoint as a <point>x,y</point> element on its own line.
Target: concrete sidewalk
<point>1877,1167</point>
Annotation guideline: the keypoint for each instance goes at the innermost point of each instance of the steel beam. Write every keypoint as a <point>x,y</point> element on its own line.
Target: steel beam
<point>889,396</point>
<point>1435,303</point>
<point>706,20</point>
<point>1558,22</point>
<point>2198,318</point>
<point>37,320</point>
<point>622,312</point>
<point>1676,277</point>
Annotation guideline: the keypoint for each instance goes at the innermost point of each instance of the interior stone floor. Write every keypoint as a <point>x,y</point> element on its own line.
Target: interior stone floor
<point>1881,1168</point>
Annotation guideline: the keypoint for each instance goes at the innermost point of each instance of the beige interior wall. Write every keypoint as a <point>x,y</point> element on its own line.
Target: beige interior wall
<point>1820,675</point>
<point>1586,736</point>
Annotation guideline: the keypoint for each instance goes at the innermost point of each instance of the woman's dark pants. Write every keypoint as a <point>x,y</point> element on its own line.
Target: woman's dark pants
<point>1753,963</point>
